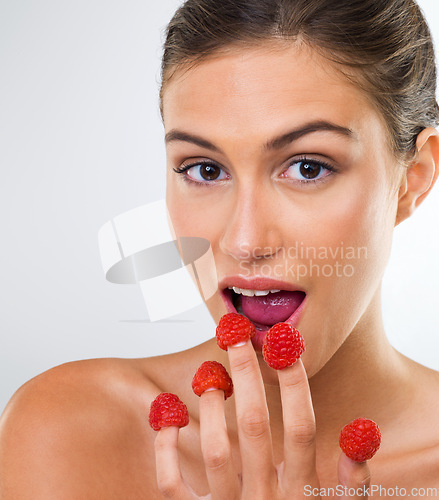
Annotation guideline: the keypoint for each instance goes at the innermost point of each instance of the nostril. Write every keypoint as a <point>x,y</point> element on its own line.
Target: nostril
<point>267,252</point>
<point>249,253</point>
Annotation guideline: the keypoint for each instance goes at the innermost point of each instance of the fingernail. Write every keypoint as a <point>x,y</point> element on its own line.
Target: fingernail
<point>239,344</point>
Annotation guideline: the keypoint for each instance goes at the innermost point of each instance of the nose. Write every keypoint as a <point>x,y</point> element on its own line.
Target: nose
<point>251,231</point>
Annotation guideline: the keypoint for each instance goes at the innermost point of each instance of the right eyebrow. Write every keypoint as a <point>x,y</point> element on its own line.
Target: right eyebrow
<point>178,135</point>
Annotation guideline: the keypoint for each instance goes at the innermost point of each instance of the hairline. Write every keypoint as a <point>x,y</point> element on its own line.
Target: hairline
<point>277,42</point>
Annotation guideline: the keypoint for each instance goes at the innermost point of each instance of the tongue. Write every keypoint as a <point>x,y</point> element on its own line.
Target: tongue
<point>272,308</point>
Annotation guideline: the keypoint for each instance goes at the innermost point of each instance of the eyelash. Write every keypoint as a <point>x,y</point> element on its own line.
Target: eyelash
<point>184,168</point>
<point>319,163</point>
<point>303,159</point>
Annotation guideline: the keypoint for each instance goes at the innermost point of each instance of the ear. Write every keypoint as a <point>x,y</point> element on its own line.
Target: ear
<point>421,174</point>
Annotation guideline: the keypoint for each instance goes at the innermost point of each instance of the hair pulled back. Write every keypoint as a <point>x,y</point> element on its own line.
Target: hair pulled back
<point>386,42</point>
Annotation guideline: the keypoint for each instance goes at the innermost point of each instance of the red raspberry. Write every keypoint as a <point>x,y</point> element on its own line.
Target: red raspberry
<point>283,346</point>
<point>212,374</point>
<point>232,329</point>
<point>167,410</point>
<point>360,439</point>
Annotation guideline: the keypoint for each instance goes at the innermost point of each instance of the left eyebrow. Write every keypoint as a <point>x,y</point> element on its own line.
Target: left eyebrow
<point>309,128</point>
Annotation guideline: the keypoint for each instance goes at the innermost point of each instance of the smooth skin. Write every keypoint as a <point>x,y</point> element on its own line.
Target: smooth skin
<point>80,430</point>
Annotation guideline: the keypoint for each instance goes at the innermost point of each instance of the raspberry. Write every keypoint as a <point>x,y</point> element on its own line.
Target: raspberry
<point>232,329</point>
<point>283,346</point>
<point>212,374</point>
<point>167,410</point>
<point>360,439</point>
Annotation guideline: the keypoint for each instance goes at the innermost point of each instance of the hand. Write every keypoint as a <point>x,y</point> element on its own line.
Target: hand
<point>261,479</point>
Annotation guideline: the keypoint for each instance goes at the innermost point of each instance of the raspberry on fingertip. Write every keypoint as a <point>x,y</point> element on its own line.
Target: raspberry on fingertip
<point>168,410</point>
<point>212,375</point>
<point>283,346</point>
<point>232,329</point>
<point>360,439</point>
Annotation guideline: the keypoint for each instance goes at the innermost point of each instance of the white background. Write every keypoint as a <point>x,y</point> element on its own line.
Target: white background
<point>81,141</point>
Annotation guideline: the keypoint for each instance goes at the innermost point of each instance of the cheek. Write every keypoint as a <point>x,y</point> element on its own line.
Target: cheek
<point>356,219</point>
<point>197,212</point>
<point>184,215</point>
<point>358,230</point>
<point>189,217</point>
<point>367,220</point>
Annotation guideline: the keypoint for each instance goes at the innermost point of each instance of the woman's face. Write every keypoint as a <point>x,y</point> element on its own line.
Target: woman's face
<point>284,166</point>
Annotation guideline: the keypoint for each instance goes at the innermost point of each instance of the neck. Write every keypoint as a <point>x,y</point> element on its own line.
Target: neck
<point>360,379</point>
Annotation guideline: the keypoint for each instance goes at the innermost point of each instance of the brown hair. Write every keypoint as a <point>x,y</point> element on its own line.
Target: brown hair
<point>386,42</point>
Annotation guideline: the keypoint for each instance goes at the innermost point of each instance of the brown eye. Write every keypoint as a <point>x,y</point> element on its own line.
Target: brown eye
<point>209,172</point>
<point>309,170</point>
<point>203,172</point>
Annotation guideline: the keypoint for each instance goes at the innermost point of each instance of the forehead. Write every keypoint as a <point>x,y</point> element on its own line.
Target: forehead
<point>258,91</point>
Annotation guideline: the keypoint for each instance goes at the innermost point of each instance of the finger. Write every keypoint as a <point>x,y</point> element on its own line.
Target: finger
<point>354,477</point>
<point>169,479</point>
<point>215,445</point>
<point>252,418</point>
<point>299,426</point>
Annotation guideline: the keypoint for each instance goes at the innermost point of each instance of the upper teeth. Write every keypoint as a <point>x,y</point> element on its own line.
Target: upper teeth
<point>251,293</point>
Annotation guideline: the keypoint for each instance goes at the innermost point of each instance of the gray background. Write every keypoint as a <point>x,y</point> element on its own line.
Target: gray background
<point>81,142</point>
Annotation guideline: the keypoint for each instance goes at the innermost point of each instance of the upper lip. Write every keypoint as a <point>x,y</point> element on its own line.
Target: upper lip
<point>257,283</point>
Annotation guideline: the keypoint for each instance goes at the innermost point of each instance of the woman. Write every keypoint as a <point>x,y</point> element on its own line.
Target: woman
<point>299,134</point>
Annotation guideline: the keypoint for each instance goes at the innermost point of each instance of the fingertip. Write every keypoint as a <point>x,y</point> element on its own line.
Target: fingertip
<point>210,395</point>
<point>168,434</point>
<point>293,374</point>
<point>298,364</point>
<point>238,344</point>
<point>353,474</point>
<point>241,351</point>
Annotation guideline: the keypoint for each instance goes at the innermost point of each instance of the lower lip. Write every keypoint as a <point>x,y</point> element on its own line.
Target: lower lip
<point>261,332</point>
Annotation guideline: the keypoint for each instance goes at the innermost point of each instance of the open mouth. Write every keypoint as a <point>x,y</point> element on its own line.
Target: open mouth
<point>265,308</point>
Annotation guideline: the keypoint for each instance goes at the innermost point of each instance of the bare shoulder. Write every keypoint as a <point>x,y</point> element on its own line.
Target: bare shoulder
<point>410,447</point>
<point>81,430</point>
<point>428,411</point>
